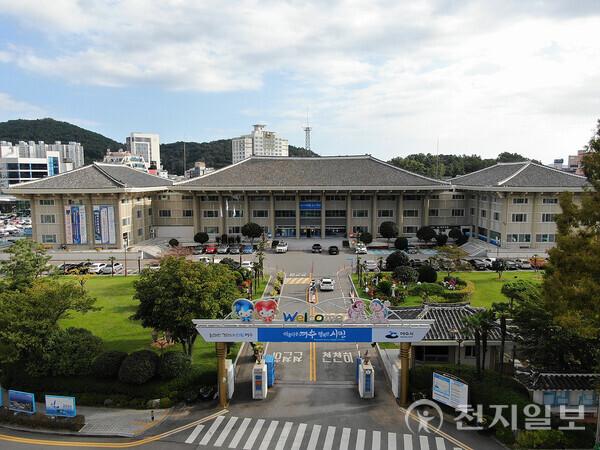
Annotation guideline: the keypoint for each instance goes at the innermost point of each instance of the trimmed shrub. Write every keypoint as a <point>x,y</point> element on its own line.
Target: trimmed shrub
<point>396,259</point>
<point>401,243</point>
<point>541,439</point>
<point>405,274</point>
<point>174,364</point>
<point>280,276</point>
<point>139,367</point>
<point>166,402</point>
<point>455,233</point>
<point>384,288</point>
<point>201,237</point>
<point>40,421</point>
<point>173,242</point>
<point>441,239</point>
<point>426,290</point>
<point>460,295</point>
<point>505,435</point>
<point>107,365</point>
<point>427,274</point>
<point>366,237</point>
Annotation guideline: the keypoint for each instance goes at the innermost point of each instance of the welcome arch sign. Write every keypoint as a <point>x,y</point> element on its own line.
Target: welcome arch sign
<point>342,319</point>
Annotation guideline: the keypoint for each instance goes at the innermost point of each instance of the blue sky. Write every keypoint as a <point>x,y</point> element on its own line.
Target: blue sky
<point>379,77</point>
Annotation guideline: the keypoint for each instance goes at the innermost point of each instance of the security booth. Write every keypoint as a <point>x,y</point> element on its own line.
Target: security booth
<point>337,320</point>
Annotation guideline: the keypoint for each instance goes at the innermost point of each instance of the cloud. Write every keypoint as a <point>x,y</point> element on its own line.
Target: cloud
<point>11,108</point>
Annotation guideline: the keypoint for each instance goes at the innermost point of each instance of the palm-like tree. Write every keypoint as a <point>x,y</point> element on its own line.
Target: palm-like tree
<point>502,312</point>
<point>473,327</point>
<point>112,266</point>
<point>487,320</point>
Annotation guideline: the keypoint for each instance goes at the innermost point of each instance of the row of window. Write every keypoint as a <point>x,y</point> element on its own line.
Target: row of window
<point>527,238</point>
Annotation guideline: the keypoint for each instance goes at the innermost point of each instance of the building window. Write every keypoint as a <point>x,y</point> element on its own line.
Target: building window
<point>361,198</point>
<point>126,221</point>
<point>235,198</point>
<point>434,196</point>
<point>335,213</point>
<point>310,198</point>
<point>458,213</point>
<point>48,239</point>
<point>140,232</point>
<point>384,198</point>
<point>46,202</point>
<point>285,213</point>
<point>257,213</point>
<point>48,218</point>
<point>472,211</point>
<point>496,216</point>
<point>409,197</point>
<point>150,211</point>
<point>139,213</point>
<point>460,197</point>
<point>409,230</point>
<point>434,213</point>
<point>211,230</point>
<point>164,197</point>
<point>385,213</point>
<point>335,198</point>
<point>310,213</point>
<point>410,213</point>
<point>547,217</point>
<point>188,213</point>
<point>518,238</point>
<point>187,197</point>
<point>520,217</point>
<point>259,198</point>
<point>360,213</point>
<point>285,198</point>
<point>358,229</point>
<point>545,238</point>
<point>550,200</point>
<point>483,213</point>
<point>164,213</point>
<point>80,202</point>
<point>209,198</point>
<point>235,230</point>
<point>210,214</point>
<point>235,213</point>
<point>520,201</point>
<point>469,351</point>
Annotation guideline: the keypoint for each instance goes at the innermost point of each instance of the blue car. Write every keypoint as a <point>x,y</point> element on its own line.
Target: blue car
<point>248,249</point>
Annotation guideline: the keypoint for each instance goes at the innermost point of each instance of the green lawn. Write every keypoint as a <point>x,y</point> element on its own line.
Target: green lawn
<point>487,286</point>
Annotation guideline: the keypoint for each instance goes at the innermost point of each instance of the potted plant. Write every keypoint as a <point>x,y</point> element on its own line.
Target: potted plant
<point>258,351</point>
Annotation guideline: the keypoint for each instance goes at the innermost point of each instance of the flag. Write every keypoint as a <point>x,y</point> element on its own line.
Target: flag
<point>221,210</point>
<point>234,211</point>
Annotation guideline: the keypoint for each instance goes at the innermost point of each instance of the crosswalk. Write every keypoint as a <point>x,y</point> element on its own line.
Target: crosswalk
<point>264,434</point>
<point>297,280</point>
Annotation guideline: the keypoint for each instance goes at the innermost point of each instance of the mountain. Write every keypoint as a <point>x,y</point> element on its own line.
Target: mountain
<point>50,130</point>
<point>215,154</point>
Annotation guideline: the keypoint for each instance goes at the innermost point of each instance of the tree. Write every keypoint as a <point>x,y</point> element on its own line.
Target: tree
<point>112,264</point>
<point>441,239</point>
<point>401,243</point>
<point>502,312</point>
<point>201,237</point>
<point>426,234</point>
<point>451,259</point>
<point>26,263</point>
<point>427,274</point>
<point>455,233</point>
<point>519,290</point>
<point>426,290</point>
<point>251,230</point>
<point>173,242</point>
<point>571,283</point>
<point>182,290</point>
<point>366,237</point>
<point>396,259</point>
<point>473,327</point>
<point>389,230</point>
<point>499,266</point>
<point>405,274</point>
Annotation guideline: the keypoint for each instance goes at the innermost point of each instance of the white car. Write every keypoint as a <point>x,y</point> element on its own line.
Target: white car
<point>96,268</point>
<point>326,284</point>
<point>208,260</point>
<point>248,265</point>
<point>282,247</point>
<point>371,265</point>
<point>361,249</point>
<point>523,264</point>
<point>488,262</point>
<point>107,269</point>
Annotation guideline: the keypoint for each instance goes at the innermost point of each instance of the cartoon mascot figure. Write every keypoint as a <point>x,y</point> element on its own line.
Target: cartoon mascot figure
<point>266,310</point>
<point>357,312</point>
<point>242,309</point>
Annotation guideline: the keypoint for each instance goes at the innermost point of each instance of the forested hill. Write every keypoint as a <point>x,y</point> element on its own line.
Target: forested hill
<point>215,154</point>
<point>449,166</point>
<point>50,131</point>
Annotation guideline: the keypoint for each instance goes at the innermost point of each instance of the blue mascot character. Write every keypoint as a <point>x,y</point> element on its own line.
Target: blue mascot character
<point>243,309</point>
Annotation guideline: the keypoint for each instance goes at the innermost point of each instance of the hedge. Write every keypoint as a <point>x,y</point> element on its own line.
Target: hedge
<point>107,364</point>
<point>139,367</point>
<point>460,295</point>
<point>39,420</point>
<point>174,364</point>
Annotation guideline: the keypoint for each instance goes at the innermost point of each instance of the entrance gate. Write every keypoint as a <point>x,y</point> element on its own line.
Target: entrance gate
<point>289,319</point>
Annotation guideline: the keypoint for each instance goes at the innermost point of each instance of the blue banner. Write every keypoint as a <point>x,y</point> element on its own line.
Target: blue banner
<point>310,205</point>
<point>97,226</point>
<point>57,405</point>
<point>76,231</point>
<point>315,335</point>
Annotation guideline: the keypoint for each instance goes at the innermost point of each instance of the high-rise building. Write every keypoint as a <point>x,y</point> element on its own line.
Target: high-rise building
<point>147,145</point>
<point>259,143</point>
<point>126,159</point>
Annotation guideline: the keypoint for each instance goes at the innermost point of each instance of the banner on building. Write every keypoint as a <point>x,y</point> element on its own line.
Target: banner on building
<point>75,225</point>
<point>104,225</point>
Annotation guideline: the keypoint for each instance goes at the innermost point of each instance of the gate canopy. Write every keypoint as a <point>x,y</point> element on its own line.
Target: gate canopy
<point>344,319</point>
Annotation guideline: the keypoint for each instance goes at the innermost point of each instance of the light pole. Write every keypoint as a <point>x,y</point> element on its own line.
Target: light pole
<point>162,342</point>
<point>458,338</point>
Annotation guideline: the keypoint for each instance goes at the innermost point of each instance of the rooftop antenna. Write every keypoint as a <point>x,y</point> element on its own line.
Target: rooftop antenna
<point>307,133</point>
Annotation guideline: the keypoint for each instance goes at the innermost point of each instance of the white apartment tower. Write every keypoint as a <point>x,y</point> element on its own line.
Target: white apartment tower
<point>146,145</point>
<point>259,143</point>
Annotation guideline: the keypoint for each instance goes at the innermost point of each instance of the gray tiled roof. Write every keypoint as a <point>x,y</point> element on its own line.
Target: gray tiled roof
<point>347,171</point>
<point>520,175</point>
<point>96,176</point>
<point>447,316</point>
<point>539,381</point>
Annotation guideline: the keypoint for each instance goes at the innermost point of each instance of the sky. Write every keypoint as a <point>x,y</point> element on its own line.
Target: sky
<point>386,78</point>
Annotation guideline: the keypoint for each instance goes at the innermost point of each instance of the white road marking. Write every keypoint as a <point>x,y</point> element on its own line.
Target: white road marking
<point>299,436</point>
<point>408,445</point>
<point>376,440</point>
<point>254,434</point>
<point>211,431</point>
<point>314,437</point>
<point>345,439</point>
<point>329,438</point>
<point>194,434</point>
<point>269,435</point>
<point>225,432</point>
<point>424,442</point>
<point>238,436</point>
<point>391,441</point>
<point>439,442</point>
<point>360,439</point>
<point>284,434</point>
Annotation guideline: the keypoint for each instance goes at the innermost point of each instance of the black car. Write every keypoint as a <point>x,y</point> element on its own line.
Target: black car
<point>416,262</point>
<point>477,264</point>
<point>316,248</point>
<point>334,250</point>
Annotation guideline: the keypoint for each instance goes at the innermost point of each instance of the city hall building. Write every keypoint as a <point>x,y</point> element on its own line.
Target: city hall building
<point>105,206</point>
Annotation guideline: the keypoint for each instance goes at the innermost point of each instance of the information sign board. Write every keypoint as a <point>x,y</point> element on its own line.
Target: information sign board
<point>451,391</point>
<point>60,406</point>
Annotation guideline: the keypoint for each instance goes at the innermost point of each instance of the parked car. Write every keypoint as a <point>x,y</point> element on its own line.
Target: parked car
<point>361,249</point>
<point>154,267</point>
<point>211,249</point>
<point>199,249</point>
<point>235,249</point>
<point>412,249</point>
<point>326,284</point>
<point>488,262</point>
<point>247,265</point>
<point>96,267</point>
<point>523,263</point>
<point>538,262</point>
<point>511,265</point>
<point>316,248</point>
<point>222,249</point>
<point>333,250</point>
<point>248,249</point>
<point>66,268</point>
<point>282,247</point>
<point>108,269</point>
<point>370,265</point>
<point>416,262</point>
<point>477,264</point>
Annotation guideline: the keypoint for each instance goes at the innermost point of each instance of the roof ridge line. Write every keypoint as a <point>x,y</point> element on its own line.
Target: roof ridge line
<point>119,182</point>
<point>501,182</point>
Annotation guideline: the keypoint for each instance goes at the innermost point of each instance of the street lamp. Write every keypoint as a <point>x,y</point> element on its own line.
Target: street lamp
<point>162,342</point>
<point>458,338</point>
